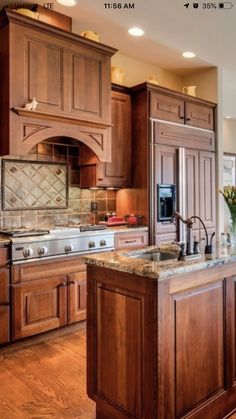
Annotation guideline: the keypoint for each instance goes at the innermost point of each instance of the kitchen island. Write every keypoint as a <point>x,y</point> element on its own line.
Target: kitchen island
<point>161,334</point>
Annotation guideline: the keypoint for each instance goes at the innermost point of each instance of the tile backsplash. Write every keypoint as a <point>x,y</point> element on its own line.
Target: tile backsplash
<point>79,200</point>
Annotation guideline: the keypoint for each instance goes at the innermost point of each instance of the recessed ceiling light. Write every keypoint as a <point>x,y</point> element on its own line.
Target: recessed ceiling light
<point>188,54</point>
<point>136,31</point>
<point>228,117</point>
<point>67,2</point>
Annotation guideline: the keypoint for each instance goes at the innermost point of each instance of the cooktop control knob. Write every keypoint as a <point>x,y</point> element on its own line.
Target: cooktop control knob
<point>68,248</point>
<point>27,252</point>
<point>42,250</point>
<point>91,244</point>
<point>103,243</point>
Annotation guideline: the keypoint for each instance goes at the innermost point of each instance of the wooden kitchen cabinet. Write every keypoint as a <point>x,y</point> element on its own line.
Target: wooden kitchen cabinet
<point>47,295</point>
<point>38,306</point>
<point>131,239</point>
<point>77,296</point>
<point>4,296</point>
<point>181,357</point>
<point>118,172</point>
<point>174,107</point>
<point>68,75</point>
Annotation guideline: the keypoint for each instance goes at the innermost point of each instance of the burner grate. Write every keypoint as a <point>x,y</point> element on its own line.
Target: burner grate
<point>23,232</point>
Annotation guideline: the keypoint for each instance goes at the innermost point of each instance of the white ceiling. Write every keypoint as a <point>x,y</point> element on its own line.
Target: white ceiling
<point>170,29</point>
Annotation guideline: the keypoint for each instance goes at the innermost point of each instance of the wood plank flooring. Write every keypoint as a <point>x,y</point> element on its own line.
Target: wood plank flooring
<point>44,378</point>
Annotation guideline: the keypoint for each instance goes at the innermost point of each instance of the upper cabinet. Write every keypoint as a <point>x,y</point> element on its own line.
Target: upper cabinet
<point>67,74</point>
<point>183,109</point>
<point>118,172</point>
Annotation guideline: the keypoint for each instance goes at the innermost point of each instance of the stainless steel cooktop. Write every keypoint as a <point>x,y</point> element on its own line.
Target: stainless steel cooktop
<point>33,245</point>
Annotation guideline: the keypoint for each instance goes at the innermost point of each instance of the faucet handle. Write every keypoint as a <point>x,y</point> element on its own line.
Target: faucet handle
<point>182,252</point>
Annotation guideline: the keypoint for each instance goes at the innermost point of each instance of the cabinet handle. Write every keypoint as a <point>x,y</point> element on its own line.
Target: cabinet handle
<point>181,117</point>
<point>130,241</point>
<point>188,119</point>
<point>71,282</point>
<point>100,178</point>
<point>64,284</point>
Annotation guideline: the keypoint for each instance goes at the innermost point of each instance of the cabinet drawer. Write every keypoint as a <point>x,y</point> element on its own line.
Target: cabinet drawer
<point>167,108</point>
<point>128,240</point>
<point>45,269</point>
<point>4,324</point>
<point>4,286</point>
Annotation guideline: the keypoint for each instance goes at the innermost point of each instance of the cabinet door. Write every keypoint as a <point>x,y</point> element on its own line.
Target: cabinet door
<point>77,296</point>
<point>38,306</point>
<point>166,107</point>
<point>192,185</point>
<point>117,173</point>
<point>87,84</point>
<point>207,192</point>
<point>198,115</point>
<point>4,324</point>
<point>4,285</point>
<point>165,172</point>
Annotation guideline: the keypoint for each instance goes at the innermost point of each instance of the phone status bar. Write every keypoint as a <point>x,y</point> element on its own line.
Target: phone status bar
<point>224,5</point>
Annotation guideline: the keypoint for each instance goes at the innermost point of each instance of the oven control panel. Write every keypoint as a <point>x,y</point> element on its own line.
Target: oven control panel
<point>32,249</point>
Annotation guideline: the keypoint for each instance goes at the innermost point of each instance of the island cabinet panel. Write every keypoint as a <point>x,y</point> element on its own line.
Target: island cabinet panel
<point>121,381</point>
<point>199,346</point>
<point>120,359</point>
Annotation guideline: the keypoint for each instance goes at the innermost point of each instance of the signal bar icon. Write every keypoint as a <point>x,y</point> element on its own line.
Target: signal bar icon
<point>225,5</point>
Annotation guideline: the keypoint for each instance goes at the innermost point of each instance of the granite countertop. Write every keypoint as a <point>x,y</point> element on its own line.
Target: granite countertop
<point>123,261</point>
<point>4,241</point>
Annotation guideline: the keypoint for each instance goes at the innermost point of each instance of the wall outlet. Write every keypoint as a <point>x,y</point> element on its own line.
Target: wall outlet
<point>94,206</point>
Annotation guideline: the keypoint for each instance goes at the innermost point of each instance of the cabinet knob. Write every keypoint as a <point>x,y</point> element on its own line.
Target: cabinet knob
<point>181,117</point>
<point>187,119</point>
<point>103,242</point>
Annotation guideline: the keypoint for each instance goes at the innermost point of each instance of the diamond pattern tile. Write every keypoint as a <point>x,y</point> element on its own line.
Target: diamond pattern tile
<point>36,185</point>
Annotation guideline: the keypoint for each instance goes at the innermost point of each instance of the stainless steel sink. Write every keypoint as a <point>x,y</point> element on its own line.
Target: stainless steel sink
<point>155,256</point>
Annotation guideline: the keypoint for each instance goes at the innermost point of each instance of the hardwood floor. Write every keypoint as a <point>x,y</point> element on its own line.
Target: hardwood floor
<point>44,377</point>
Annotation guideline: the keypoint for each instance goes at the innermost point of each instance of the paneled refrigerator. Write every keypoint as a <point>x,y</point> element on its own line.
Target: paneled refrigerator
<point>182,178</point>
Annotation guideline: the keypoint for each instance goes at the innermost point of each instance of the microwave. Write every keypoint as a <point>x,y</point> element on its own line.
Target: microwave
<point>166,201</point>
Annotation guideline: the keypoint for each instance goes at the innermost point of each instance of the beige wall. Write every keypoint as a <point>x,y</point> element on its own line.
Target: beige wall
<point>206,82</point>
<point>229,132</point>
<point>137,71</point>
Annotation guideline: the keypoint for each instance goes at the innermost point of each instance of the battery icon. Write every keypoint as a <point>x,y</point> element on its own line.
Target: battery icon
<point>225,5</point>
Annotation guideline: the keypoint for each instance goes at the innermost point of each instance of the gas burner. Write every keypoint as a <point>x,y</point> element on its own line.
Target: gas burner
<point>24,232</point>
<point>92,227</point>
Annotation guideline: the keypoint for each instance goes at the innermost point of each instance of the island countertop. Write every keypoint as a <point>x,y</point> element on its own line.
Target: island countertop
<point>128,261</point>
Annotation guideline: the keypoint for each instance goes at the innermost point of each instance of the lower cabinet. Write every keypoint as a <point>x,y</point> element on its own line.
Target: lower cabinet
<point>4,297</point>
<point>47,295</point>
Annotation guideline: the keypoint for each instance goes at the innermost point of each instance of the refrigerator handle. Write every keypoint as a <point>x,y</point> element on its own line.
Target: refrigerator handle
<point>182,191</point>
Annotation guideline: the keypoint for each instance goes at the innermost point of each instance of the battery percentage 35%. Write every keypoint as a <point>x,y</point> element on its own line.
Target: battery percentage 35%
<point>209,6</point>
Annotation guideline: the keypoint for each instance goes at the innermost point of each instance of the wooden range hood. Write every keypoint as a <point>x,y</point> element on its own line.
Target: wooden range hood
<point>67,74</point>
